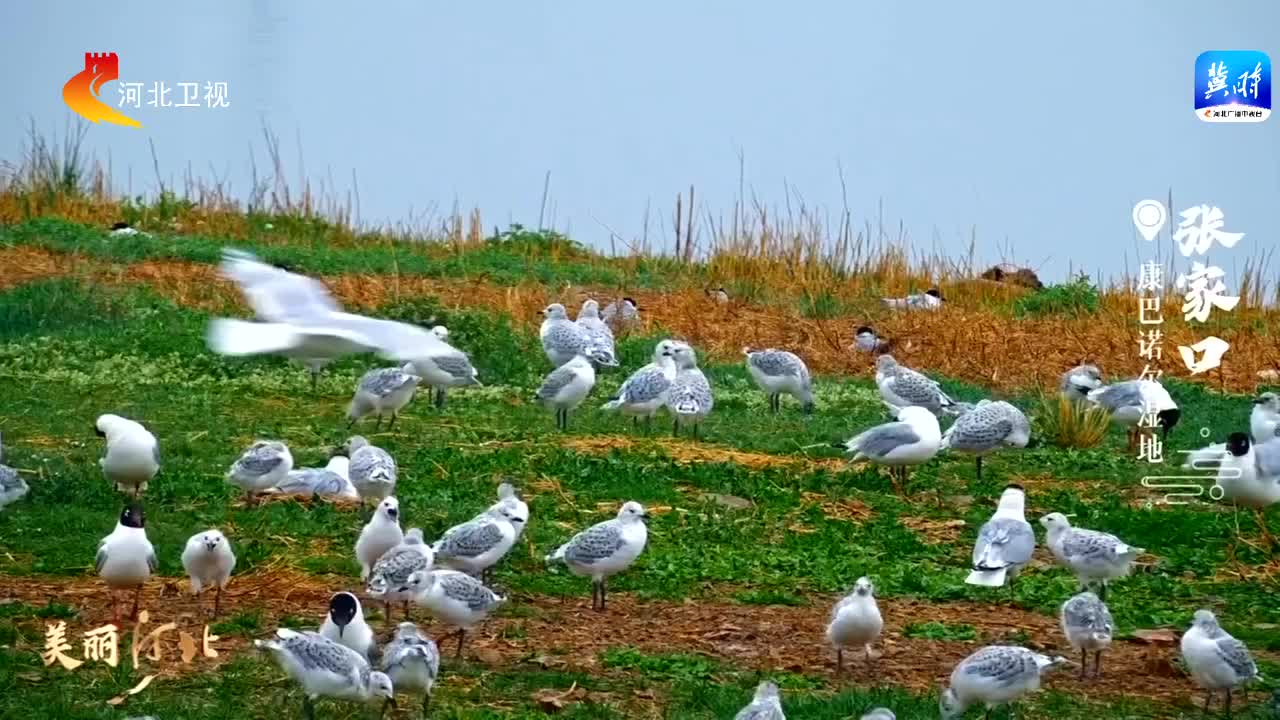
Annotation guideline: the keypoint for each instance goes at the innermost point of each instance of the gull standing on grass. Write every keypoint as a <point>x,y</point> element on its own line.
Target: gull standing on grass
<point>994,675</point>
<point>345,625</point>
<point>765,705</point>
<point>389,579</point>
<point>689,398</point>
<point>208,561</point>
<point>645,392</point>
<point>855,622</point>
<point>599,336</point>
<point>1249,476</point>
<point>1217,660</point>
<point>563,339</point>
<point>331,481</point>
<point>913,439</point>
<point>1077,382</point>
<point>133,454</point>
<point>900,386</point>
<point>445,370</point>
<point>564,388</point>
<point>930,299</point>
<point>621,315</point>
<point>1005,542</point>
<point>325,668</point>
<point>475,546</point>
<point>12,487</point>
<point>384,391</point>
<point>777,372</point>
<point>1129,401</point>
<point>1093,556</point>
<point>1264,419</point>
<point>373,470</point>
<point>1087,623</point>
<point>605,549</point>
<point>301,321</point>
<point>260,468</point>
<point>987,427</point>
<point>455,598</point>
<point>125,558</point>
<point>379,535</point>
<point>880,713</point>
<point>412,661</point>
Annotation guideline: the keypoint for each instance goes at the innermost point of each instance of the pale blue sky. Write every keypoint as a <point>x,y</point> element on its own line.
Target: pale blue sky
<point>1039,124</point>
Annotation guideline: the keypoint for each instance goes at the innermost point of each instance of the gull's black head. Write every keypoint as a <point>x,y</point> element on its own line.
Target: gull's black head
<point>1238,444</point>
<point>98,431</point>
<point>1167,419</point>
<point>1014,486</point>
<point>865,330</point>
<point>119,225</point>
<point>632,301</point>
<point>934,292</point>
<point>343,607</point>
<point>131,516</point>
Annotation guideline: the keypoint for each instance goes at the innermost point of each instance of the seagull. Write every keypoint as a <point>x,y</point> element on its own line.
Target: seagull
<point>383,391</point>
<point>855,621</point>
<point>412,661</point>
<point>1090,554</point>
<point>605,549</point>
<point>880,713</point>
<point>208,561</point>
<point>1217,660</point>
<point>599,336</point>
<point>373,470</point>
<point>913,439</point>
<point>900,386</point>
<point>389,578</point>
<point>1078,381</point>
<point>1128,401</point>
<point>379,535</point>
<point>1005,542</point>
<point>994,675</point>
<point>330,481</point>
<point>645,392</point>
<point>475,546</point>
<point>1249,476</point>
<point>455,598</point>
<point>1264,419</point>
<point>866,339</point>
<point>1088,626</point>
<point>564,388</point>
<point>719,295</point>
<point>345,625</point>
<point>689,399</point>
<point>621,315</point>
<point>765,705</point>
<point>126,558</point>
<point>325,668</point>
<point>302,321</point>
<point>445,370</point>
<point>507,496</point>
<point>930,299</point>
<point>777,372</point>
<point>12,487</point>
<point>260,468</point>
<point>133,454</point>
<point>986,428</point>
<point>563,339</point>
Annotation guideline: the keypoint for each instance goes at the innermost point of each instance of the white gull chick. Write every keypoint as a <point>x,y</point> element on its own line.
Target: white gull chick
<point>564,388</point>
<point>1217,661</point>
<point>12,487</point>
<point>1264,419</point>
<point>605,549</point>
<point>379,535</point>
<point>208,561</point>
<point>644,393</point>
<point>1078,381</point>
<point>1005,542</point>
<point>373,471</point>
<point>779,372</point>
<point>344,624</point>
<point>599,336</point>
<point>260,468</point>
<point>1129,401</point>
<point>913,439</point>
<point>987,427</point>
<point>930,299</point>
<point>454,598</point>
<point>325,668</point>
<point>900,386</point>
<point>446,369</point>
<point>994,675</point>
<point>412,661</point>
<point>389,578</point>
<point>133,454</point>
<point>1087,623</point>
<point>125,558</point>
<point>475,546</point>
<point>331,481</point>
<point>1092,555</point>
<point>384,391</point>
<point>689,399</point>
<point>765,705</point>
<point>855,622</point>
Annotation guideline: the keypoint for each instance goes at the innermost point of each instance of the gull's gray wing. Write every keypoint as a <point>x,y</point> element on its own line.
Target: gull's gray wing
<point>316,652</point>
<point>917,388</point>
<point>1091,545</point>
<point>394,340</point>
<point>395,567</point>
<point>1086,613</point>
<point>881,440</point>
<point>404,650</point>
<point>458,366</point>
<point>9,478</point>
<point>982,428</point>
<point>777,363</point>
<point>1267,458</point>
<point>1003,542</point>
<point>467,589</point>
<point>594,544</point>
<point>276,295</point>
<point>1234,653</point>
<point>312,481</point>
<point>564,336</point>
<point>258,461</point>
<point>384,381</point>
<point>370,463</point>
<point>645,385</point>
<point>1119,395</point>
<point>101,558</point>
<point>469,540</point>
<point>152,561</point>
<point>555,381</point>
<point>759,711</point>
<point>1002,665</point>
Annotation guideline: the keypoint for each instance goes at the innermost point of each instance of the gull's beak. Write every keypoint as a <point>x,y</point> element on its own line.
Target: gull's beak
<point>341,629</point>
<point>644,515</point>
<point>1255,401</point>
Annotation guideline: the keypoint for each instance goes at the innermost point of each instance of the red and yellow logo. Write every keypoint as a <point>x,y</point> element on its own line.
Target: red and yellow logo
<point>82,91</point>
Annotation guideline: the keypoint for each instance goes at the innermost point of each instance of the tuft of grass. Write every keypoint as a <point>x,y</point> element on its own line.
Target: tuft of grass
<point>940,631</point>
<point>1070,424</point>
<point>1070,298</point>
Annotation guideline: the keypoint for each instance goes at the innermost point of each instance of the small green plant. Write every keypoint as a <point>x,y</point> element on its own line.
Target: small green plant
<point>1070,423</point>
<point>538,242</point>
<point>1077,296</point>
<point>940,631</point>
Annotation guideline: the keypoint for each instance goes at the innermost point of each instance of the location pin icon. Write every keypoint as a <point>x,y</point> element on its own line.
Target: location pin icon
<point>1149,216</point>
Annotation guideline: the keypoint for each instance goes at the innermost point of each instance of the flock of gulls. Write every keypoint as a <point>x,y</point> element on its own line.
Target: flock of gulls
<point>449,578</point>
